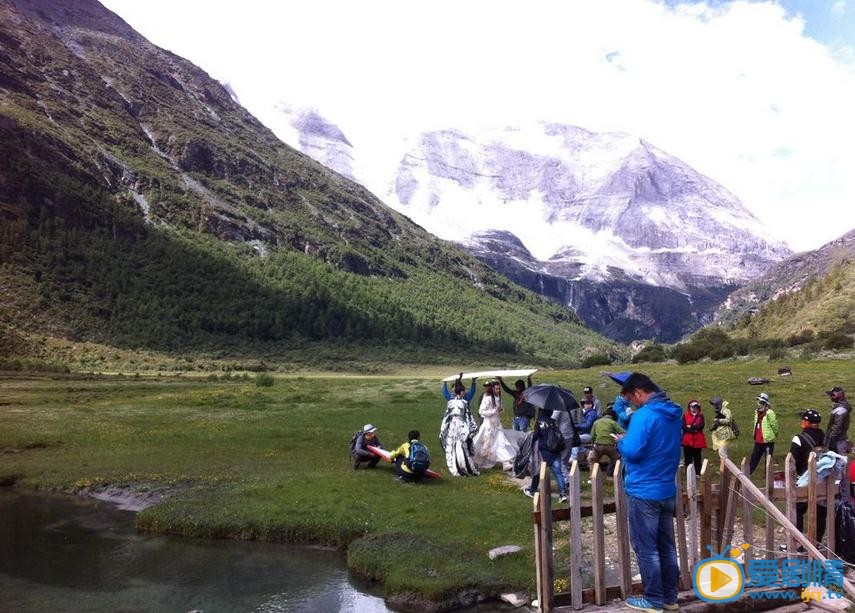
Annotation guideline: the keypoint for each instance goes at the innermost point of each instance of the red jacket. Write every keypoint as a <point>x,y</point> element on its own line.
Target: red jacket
<point>693,430</point>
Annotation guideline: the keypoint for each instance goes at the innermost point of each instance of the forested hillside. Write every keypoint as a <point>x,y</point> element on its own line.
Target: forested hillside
<point>142,208</point>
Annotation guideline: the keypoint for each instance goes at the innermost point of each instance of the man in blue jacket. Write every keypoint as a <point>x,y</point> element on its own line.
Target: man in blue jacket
<point>650,451</point>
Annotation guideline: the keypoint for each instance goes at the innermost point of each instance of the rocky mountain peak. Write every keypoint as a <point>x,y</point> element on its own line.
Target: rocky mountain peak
<point>89,15</point>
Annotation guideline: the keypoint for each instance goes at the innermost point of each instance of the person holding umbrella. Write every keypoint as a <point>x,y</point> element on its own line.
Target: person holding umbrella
<point>650,451</point>
<point>547,441</point>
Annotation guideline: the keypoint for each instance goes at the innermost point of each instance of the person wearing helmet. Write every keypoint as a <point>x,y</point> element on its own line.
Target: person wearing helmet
<point>808,440</point>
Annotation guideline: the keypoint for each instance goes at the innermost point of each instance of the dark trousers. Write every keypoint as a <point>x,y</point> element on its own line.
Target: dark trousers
<point>759,453</point>
<point>692,455</point>
<point>358,459</point>
<point>801,511</point>
<point>604,451</point>
<point>399,468</point>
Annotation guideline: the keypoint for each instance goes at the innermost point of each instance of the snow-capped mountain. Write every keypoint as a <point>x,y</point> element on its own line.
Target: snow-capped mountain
<point>596,221</point>
<point>307,130</point>
<point>584,202</point>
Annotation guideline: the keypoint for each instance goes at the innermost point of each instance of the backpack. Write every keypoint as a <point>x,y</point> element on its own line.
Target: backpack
<point>419,458</point>
<point>353,440</point>
<point>733,426</point>
<point>554,438</point>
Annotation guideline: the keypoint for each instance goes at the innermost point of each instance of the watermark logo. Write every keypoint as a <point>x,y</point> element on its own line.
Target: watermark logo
<point>721,577</point>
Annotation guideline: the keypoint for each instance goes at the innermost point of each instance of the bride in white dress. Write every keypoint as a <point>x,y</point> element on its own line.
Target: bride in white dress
<point>490,443</point>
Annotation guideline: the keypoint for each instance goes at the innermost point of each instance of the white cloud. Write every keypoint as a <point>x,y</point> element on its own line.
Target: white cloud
<point>735,89</point>
<point>838,9</point>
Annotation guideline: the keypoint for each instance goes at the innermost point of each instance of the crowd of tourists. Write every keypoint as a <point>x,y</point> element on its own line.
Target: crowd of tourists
<point>643,427</point>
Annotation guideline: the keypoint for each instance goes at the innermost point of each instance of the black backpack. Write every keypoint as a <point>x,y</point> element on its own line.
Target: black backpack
<point>419,458</point>
<point>733,426</point>
<point>353,440</point>
<point>554,438</point>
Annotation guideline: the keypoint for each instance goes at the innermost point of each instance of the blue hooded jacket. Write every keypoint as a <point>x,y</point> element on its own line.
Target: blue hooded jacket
<point>650,449</point>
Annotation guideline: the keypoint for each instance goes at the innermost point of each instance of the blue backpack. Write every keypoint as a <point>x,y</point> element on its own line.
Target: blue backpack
<point>419,459</point>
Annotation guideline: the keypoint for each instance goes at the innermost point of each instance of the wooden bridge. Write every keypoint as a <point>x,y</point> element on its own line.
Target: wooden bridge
<point>707,515</point>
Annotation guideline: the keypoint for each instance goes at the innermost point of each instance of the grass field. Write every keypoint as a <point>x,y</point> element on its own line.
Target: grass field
<point>272,462</point>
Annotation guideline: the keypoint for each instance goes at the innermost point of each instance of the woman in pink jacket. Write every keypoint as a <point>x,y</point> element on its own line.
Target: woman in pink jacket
<point>694,438</point>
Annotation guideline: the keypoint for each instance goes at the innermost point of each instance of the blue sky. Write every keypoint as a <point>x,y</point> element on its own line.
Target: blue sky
<point>757,95</point>
<point>831,22</point>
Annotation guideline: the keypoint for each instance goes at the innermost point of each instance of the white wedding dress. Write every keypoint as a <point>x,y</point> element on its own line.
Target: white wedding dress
<point>490,443</point>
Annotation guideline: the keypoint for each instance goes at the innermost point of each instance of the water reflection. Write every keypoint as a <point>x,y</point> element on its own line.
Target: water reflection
<point>66,554</point>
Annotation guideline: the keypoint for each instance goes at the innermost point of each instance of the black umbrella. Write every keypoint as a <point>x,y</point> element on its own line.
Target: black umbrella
<point>551,397</point>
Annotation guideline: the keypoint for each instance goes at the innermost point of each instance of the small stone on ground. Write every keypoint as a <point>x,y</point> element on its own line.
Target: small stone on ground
<point>504,550</point>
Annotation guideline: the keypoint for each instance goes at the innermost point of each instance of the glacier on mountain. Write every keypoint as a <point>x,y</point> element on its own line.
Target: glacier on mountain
<point>595,221</point>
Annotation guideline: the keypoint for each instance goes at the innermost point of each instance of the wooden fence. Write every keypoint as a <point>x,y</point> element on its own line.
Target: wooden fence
<point>706,514</point>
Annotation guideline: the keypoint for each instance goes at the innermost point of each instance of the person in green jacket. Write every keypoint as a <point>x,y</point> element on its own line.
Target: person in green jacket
<point>603,434</point>
<point>765,430</point>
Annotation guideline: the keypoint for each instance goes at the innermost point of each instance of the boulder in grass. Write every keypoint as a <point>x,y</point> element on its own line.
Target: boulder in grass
<point>757,381</point>
<point>785,371</point>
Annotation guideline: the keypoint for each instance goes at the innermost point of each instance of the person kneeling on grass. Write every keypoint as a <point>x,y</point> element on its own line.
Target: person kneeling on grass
<point>411,459</point>
<point>359,444</point>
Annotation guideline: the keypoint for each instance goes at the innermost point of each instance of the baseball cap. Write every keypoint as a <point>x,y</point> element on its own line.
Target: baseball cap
<point>763,397</point>
<point>811,415</point>
<point>834,390</point>
<point>695,403</point>
<point>587,390</point>
<point>369,428</point>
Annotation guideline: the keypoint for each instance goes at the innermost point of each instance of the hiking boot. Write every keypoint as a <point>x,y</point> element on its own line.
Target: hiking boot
<point>562,498</point>
<point>528,492</point>
<point>642,604</point>
<point>672,607</point>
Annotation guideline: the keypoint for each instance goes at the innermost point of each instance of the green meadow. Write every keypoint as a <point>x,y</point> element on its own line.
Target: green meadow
<point>272,463</point>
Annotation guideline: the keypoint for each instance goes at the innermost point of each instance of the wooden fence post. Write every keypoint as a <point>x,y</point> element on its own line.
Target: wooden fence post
<point>724,479</point>
<point>811,501</point>
<point>599,546</point>
<point>706,510</point>
<point>747,517</point>
<point>622,529</point>
<point>790,479</point>
<point>546,589</point>
<point>830,492</point>
<point>574,491</point>
<point>692,495</point>
<point>771,554</point>
<point>679,511</point>
<point>729,516</point>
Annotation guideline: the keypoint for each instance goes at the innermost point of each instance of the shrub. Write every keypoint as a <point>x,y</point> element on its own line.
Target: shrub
<point>777,353</point>
<point>838,340</point>
<point>742,346</point>
<point>596,359</point>
<point>688,352</point>
<point>805,336</point>
<point>721,352</point>
<point>650,353</point>
<point>264,380</point>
